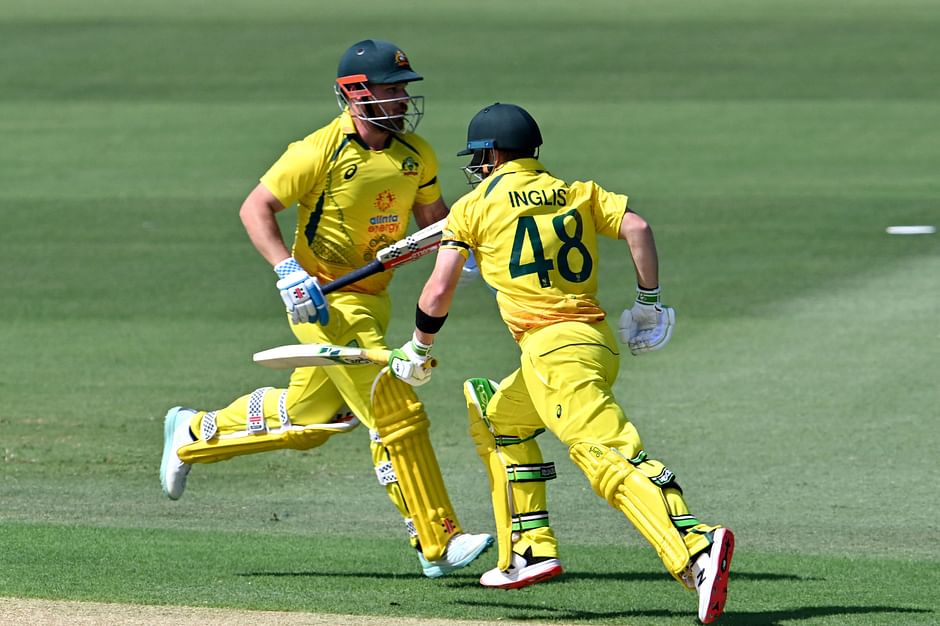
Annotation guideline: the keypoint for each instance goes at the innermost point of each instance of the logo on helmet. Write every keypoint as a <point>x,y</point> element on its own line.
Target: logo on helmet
<point>401,60</point>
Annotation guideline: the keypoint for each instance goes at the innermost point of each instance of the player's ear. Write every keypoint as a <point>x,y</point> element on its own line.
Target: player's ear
<point>489,161</point>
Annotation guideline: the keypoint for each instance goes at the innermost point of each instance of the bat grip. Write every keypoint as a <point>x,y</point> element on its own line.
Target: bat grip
<point>356,275</point>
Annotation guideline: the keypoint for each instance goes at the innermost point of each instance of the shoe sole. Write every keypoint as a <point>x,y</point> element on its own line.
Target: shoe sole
<point>719,591</point>
<point>542,576</point>
<point>169,427</point>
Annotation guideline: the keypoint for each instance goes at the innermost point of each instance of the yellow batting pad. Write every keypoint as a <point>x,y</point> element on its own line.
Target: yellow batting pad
<point>517,480</point>
<point>403,426</point>
<point>485,444</point>
<point>236,444</point>
<point>630,491</point>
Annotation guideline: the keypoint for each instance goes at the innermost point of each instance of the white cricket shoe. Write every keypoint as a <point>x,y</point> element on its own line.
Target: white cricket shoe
<point>710,571</point>
<point>522,572</point>
<point>173,471</point>
<point>461,550</point>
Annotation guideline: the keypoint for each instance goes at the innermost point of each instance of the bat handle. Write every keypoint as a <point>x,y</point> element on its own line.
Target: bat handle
<point>356,275</point>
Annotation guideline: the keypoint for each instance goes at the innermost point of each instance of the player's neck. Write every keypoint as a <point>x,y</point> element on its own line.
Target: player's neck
<point>373,136</point>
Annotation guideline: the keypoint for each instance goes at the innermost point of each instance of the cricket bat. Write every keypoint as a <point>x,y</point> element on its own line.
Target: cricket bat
<point>412,247</point>
<point>308,354</point>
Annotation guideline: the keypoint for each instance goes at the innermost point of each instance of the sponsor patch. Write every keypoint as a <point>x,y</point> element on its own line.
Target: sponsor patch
<point>384,200</point>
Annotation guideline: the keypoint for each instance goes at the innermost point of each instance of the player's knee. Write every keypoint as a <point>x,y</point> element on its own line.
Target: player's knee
<point>656,471</point>
<point>606,468</point>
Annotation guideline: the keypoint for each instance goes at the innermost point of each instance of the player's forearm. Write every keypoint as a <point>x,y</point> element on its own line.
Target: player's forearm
<point>435,300</point>
<point>258,217</point>
<point>438,292</point>
<point>427,214</point>
<point>639,237</point>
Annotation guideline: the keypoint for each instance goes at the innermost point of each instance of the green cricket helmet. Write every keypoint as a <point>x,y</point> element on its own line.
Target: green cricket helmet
<point>505,127</point>
<point>375,62</point>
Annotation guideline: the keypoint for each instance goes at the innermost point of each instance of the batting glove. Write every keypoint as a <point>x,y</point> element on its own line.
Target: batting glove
<point>470,271</point>
<point>410,363</point>
<point>301,293</point>
<point>647,326</point>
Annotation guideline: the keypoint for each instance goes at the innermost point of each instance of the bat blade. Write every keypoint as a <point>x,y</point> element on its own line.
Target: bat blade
<point>309,354</point>
<point>319,354</point>
<point>412,247</point>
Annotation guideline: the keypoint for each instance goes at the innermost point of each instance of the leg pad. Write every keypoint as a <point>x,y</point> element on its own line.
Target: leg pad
<point>517,478</point>
<point>402,426</point>
<point>224,447</point>
<point>630,491</point>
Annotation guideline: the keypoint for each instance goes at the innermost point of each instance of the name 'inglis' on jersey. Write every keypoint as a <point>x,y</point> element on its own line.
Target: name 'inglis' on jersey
<point>538,197</point>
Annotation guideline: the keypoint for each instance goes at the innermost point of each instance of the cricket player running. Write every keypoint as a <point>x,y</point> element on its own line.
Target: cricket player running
<point>535,240</point>
<point>356,182</point>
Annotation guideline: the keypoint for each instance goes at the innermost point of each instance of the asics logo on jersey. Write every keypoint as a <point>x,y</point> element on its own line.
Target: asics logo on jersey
<point>538,197</point>
<point>350,172</point>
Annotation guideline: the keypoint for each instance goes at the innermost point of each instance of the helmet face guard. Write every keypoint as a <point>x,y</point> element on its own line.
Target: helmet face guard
<point>482,163</point>
<point>353,92</point>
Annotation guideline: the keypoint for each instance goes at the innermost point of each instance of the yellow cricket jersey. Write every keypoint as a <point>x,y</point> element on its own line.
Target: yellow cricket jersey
<point>352,201</point>
<point>535,239</point>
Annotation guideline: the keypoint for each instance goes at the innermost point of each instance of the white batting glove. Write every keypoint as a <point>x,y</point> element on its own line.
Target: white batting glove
<point>647,326</point>
<point>470,271</point>
<point>410,363</point>
<point>301,293</point>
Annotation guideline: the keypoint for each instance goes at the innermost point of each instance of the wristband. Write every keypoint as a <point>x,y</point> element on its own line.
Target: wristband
<point>286,267</point>
<point>647,296</point>
<point>421,348</point>
<point>428,323</point>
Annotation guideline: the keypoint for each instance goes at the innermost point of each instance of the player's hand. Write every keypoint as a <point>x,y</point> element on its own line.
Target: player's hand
<point>301,293</point>
<point>411,363</point>
<point>647,326</point>
<point>470,271</point>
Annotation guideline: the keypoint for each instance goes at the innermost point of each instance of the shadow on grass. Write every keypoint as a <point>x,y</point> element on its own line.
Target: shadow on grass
<point>458,579</point>
<point>534,612</point>
<point>363,575</point>
<point>524,612</point>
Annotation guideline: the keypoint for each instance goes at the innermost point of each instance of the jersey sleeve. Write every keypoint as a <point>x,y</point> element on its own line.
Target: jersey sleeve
<point>456,233</point>
<point>296,172</point>
<point>607,208</point>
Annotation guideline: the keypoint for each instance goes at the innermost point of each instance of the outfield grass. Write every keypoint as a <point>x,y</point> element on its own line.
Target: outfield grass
<point>769,143</point>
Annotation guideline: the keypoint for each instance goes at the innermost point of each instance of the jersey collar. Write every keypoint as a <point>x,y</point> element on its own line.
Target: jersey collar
<point>519,165</point>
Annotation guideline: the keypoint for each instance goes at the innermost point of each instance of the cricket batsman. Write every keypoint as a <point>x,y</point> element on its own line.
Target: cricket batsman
<point>534,237</point>
<point>355,182</point>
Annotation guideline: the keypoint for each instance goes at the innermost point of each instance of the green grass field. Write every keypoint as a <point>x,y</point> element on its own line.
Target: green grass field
<point>769,144</point>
